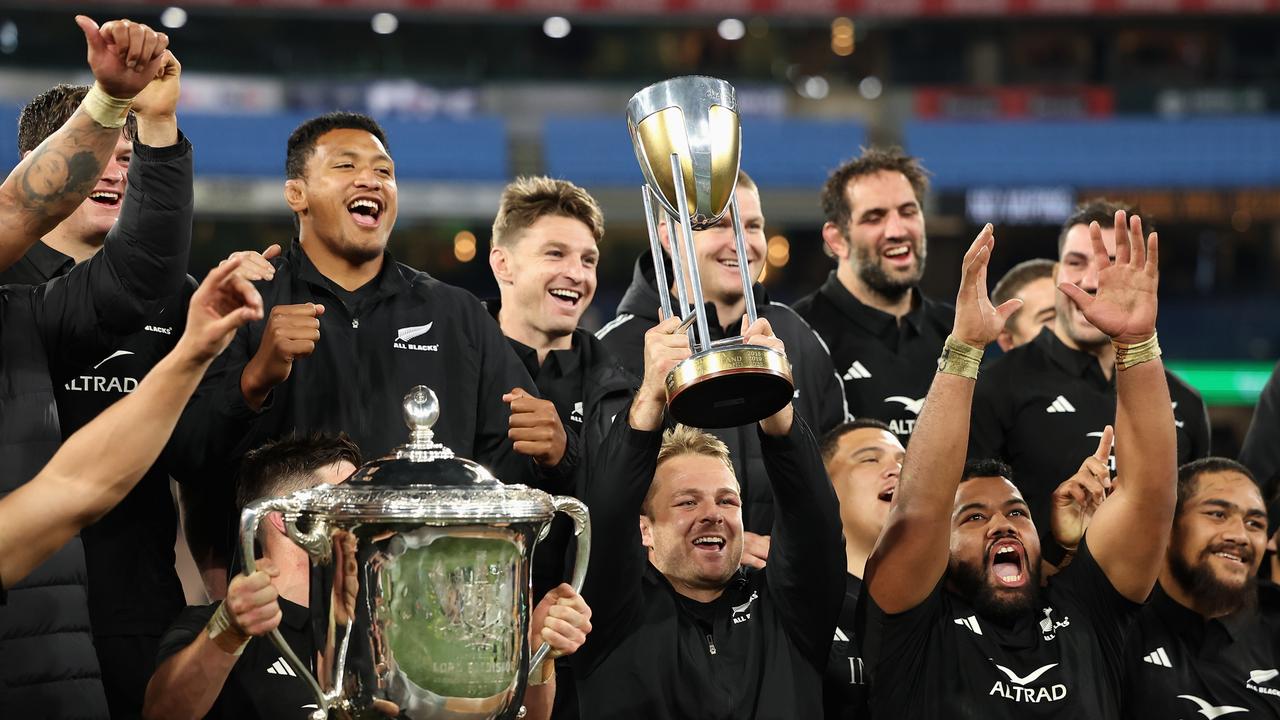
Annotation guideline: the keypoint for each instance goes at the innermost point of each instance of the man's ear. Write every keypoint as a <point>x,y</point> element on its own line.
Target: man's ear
<point>295,194</point>
<point>835,242</point>
<point>276,520</point>
<point>664,237</point>
<point>1005,340</point>
<point>500,263</point>
<point>646,532</point>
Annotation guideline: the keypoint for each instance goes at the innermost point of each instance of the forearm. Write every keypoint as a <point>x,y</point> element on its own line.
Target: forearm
<point>187,684</point>
<point>157,130</point>
<point>51,182</point>
<point>1146,441</point>
<point>538,699</point>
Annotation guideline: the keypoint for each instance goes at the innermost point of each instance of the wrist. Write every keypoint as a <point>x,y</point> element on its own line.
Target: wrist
<point>157,130</point>
<point>544,673</point>
<point>253,387</point>
<point>1131,351</point>
<point>106,109</point>
<point>224,632</point>
<point>960,357</point>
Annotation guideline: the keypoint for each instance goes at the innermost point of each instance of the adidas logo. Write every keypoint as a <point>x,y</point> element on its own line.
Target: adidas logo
<point>857,371</point>
<point>1060,405</point>
<point>280,667</point>
<point>1158,657</point>
<point>970,622</point>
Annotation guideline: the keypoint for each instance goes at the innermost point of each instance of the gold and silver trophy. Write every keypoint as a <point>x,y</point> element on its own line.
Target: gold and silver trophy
<point>420,576</point>
<point>687,138</point>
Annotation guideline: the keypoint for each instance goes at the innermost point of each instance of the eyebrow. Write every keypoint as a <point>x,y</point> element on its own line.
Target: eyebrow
<point>1228,505</point>
<point>983,506</point>
<point>354,154</point>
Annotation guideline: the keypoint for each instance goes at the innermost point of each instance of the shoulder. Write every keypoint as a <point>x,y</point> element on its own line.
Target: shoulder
<point>625,325</point>
<point>804,306</point>
<point>940,314</point>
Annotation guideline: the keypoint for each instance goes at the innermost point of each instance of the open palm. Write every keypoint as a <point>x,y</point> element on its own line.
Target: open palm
<point>1124,306</point>
<point>978,322</point>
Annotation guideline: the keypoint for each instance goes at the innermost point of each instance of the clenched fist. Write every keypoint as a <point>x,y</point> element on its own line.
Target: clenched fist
<point>292,332</point>
<point>535,428</point>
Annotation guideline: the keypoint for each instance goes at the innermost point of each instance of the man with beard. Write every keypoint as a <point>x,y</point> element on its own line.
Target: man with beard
<point>688,633</point>
<point>957,623</point>
<point>544,258</point>
<point>1209,641</point>
<point>349,331</point>
<point>1030,281</point>
<point>863,458</point>
<point>884,334</point>
<point>818,399</point>
<point>1042,406</point>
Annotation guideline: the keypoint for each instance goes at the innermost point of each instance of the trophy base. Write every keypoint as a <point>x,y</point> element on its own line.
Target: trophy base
<point>727,387</point>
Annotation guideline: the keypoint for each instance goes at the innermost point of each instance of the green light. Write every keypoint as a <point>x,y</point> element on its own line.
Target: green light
<point>1224,382</point>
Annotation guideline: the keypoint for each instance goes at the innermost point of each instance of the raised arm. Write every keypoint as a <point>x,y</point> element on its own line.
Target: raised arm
<point>98,465</point>
<point>55,178</point>
<point>1129,533</point>
<point>911,554</point>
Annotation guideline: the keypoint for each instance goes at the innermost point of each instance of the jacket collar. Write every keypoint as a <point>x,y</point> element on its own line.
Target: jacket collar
<point>1075,363</point>
<point>877,322</point>
<point>49,263</point>
<point>390,280</point>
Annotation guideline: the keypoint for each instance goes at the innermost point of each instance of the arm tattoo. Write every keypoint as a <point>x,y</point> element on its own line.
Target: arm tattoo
<point>58,175</point>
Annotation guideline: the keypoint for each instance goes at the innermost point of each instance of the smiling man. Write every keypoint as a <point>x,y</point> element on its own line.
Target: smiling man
<point>349,332</point>
<point>818,398</point>
<point>1207,641</point>
<point>957,623</point>
<point>884,334</point>
<point>689,633</point>
<point>1042,406</point>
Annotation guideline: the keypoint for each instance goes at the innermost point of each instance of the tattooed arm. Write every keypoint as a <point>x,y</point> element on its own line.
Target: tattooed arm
<point>55,178</point>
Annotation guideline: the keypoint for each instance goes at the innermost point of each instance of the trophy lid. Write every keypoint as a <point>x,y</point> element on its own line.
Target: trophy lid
<point>424,480</point>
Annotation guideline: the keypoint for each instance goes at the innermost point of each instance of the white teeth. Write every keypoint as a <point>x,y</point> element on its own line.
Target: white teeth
<point>103,195</point>
<point>708,541</point>
<point>1229,556</point>
<point>729,263</point>
<point>895,252</point>
<point>566,293</point>
<point>1011,578</point>
<point>362,203</point>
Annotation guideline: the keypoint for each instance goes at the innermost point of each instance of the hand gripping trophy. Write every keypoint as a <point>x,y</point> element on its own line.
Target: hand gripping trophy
<point>687,138</point>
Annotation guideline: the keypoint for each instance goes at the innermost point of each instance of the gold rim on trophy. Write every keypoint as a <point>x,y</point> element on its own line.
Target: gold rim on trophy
<point>719,387</point>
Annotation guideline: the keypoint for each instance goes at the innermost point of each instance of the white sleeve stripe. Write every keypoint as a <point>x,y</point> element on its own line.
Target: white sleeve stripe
<point>612,325</point>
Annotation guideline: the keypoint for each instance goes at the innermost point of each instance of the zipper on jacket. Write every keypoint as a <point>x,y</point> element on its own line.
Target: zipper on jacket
<point>711,644</point>
<point>355,323</point>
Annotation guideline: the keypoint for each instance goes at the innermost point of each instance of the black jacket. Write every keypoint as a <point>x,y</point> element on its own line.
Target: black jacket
<point>1261,449</point>
<point>759,650</point>
<point>819,394</point>
<point>47,664</point>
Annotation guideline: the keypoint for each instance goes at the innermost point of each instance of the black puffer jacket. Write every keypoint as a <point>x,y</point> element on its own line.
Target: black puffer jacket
<point>819,394</point>
<point>48,668</point>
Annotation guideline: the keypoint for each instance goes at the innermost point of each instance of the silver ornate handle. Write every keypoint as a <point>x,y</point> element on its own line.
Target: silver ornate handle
<point>250,519</point>
<point>582,529</point>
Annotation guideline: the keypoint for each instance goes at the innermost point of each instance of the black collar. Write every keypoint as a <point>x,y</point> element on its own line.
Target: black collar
<point>568,361</point>
<point>1076,363</point>
<point>876,322</point>
<point>49,263</point>
<point>1192,625</point>
<point>390,280</point>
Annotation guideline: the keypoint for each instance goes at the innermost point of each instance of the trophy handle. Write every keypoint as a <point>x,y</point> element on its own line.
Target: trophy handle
<point>250,519</point>
<point>582,529</point>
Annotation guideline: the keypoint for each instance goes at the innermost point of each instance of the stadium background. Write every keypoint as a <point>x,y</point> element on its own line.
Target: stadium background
<point>1018,107</point>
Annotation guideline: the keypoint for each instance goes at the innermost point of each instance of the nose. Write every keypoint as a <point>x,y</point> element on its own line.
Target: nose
<point>1090,281</point>
<point>895,227</point>
<point>894,470</point>
<point>1000,526</point>
<point>1234,531</point>
<point>369,178</point>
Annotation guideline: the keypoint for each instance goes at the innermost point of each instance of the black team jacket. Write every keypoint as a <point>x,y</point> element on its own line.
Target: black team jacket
<point>819,399</point>
<point>755,653</point>
<point>48,668</point>
<point>408,329</point>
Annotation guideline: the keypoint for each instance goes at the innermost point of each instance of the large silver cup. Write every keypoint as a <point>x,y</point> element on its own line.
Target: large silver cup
<point>687,139</point>
<point>422,560</point>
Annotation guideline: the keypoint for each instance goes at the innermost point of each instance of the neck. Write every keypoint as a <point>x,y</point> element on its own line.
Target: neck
<point>542,342</point>
<point>77,248</point>
<point>1104,353</point>
<point>294,581</point>
<point>348,276</point>
<point>856,554</point>
<point>897,307</point>
<point>702,595</point>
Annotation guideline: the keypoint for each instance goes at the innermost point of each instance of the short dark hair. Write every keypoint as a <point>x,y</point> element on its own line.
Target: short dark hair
<point>526,200</point>
<point>288,464</point>
<point>1102,211</point>
<point>831,440</point>
<point>302,141</point>
<point>50,110</point>
<point>986,467</point>
<point>835,201</point>
<point>1018,277</point>
<point>1189,475</point>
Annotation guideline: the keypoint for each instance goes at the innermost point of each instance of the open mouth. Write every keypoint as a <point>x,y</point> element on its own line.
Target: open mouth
<point>709,543</point>
<point>898,253</point>
<point>1007,563</point>
<point>109,198</point>
<point>365,211</point>
<point>886,495</point>
<point>565,297</point>
<point>1231,555</point>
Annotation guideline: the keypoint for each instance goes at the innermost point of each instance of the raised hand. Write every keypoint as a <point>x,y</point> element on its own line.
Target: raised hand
<point>562,619</point>
<point>253,602</point>
<point>760,332</point>
<point>159,98</point>
<point>534,428</point>
<point>663,348</point>
<point>292,332</point>
<point>1079,497</point>
<point>755,550</point>
<point>222,303</point>
<point>1125,304</point>
<point>124,55</point>
<point>254,265</point>
<point>978,323</point>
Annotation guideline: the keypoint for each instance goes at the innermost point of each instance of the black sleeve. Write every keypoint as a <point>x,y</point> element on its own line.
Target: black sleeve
<point>806,557</point>
<point>894,645</point>
<point>1261,450</point>
<point>184,630</point>
<point>989,416</point>
<point>622,471</point>
<point>1201,437</point>
<point>1110,613</point>
<point>143,259</point>
<point>824,396</point>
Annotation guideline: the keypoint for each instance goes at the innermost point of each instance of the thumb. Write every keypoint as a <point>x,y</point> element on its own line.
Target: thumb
<point>1007,308</point>
<point>272,251</point>
<point>92,36</point>
<point>1081,298</point>
<point>319,309</point>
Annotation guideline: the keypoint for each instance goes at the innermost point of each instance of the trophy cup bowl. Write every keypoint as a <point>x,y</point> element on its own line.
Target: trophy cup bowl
<point>687,138</point>
<point>422,561</point>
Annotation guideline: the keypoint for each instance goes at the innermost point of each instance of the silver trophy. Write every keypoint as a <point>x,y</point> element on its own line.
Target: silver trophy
<point>687,138</point>
<point>422,560</point>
